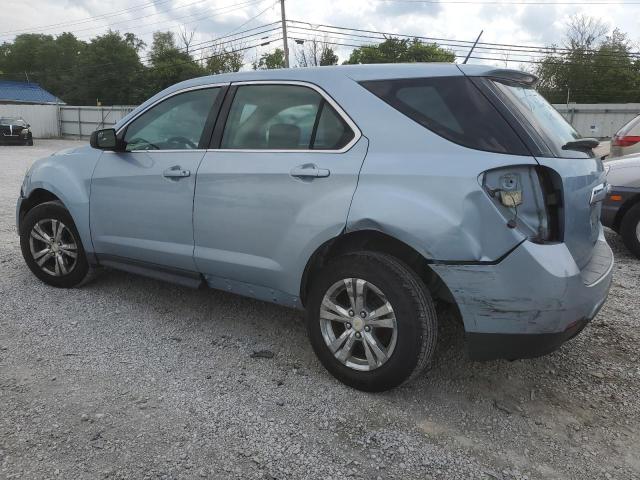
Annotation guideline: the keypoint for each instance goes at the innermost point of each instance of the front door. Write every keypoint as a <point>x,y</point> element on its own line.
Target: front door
<point>277,184</point>
<point>142,198</point>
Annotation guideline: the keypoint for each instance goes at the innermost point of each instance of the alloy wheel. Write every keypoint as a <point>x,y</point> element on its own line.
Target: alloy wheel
<point>53,247</point>
<point>358,324</point>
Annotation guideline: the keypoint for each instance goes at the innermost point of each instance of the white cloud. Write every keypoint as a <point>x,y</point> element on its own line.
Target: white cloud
<point>502,23</point>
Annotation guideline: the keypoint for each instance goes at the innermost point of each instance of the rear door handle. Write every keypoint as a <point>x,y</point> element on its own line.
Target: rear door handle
<point>176,172</point>
<point>309,170</point>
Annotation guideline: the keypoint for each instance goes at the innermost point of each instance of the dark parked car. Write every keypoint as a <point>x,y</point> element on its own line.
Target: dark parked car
<point>15,130</point>
<point>621,208</point>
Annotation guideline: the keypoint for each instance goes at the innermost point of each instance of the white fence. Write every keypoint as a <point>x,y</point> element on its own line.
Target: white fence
<point>81,121</point>
<point>600,120</point>
<point>42,118</point>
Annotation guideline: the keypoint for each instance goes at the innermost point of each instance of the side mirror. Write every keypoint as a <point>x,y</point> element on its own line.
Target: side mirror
<point>104,139</point>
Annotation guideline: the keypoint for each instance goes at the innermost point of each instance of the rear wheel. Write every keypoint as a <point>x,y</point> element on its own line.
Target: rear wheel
<point>51,246</point>
<point>630,230</point>
<point>371,321</point>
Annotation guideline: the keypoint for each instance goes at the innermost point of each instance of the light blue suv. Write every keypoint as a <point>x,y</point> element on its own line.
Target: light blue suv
<point>367,195</point>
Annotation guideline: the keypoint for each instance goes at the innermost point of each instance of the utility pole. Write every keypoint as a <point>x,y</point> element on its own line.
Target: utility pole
<point>284,35</point>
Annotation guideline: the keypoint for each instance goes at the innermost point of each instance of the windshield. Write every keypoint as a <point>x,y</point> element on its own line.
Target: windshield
<point>545,119</point>
<point>12,121</point>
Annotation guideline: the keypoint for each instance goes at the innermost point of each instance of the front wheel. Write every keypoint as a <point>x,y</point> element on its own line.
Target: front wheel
<point>51,246</point>
<point>371,321</point>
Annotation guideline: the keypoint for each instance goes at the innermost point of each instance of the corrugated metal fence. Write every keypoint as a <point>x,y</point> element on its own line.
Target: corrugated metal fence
<point>599,120</point>
<point>81,121</point>
<point>42,118</point>
<point>591,120</point>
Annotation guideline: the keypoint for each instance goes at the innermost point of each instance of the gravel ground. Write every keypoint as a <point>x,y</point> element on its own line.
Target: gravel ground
<point>133,378</point>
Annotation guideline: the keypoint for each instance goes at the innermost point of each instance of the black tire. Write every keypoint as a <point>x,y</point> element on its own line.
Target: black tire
<point>630,231</point>
<point>30,142</point>
<point>414,312</point>
<point>78,271</point>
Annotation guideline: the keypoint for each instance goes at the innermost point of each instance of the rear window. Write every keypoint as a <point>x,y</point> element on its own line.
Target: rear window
<point>630,128</point>
<point>453,108</point>
<point>545,119</point>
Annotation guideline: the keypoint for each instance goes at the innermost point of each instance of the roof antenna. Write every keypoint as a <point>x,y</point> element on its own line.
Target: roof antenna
<point>472,47</point>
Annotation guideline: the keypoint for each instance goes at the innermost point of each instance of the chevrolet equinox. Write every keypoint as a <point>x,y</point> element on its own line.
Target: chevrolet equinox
<point>364,194</point>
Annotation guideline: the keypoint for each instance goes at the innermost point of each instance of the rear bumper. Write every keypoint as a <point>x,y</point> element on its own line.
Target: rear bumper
<point>531,302</point>
<point>491,346</point>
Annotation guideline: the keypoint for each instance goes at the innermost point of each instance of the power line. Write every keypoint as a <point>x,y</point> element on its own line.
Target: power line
<point>227,8</point>
<point>437,39</point>
<point>617,60</point>
<point>84,20</point>
<point>462,44</point>
<point>477,57</point>
<point>219,41</point>
<point>498,2</point>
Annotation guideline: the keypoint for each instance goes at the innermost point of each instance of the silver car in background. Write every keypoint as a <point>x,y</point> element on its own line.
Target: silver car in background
<point>621,208</point>
<point>627,139</point>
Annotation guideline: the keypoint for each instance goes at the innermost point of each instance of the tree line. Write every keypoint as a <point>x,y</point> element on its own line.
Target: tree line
<point>592,66</point>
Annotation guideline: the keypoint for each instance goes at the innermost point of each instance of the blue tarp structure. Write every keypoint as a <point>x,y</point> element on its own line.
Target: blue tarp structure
<point>23,92</point>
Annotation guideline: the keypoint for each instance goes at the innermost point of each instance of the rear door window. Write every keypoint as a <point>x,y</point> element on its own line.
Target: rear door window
<point>452,107</point>
<point>283,117</point>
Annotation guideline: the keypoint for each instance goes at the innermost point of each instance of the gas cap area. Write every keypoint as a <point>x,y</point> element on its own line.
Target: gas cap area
<point>517,193</point>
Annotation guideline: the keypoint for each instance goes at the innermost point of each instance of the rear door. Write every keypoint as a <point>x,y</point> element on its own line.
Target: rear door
<point>277,183</point>
<point>581,172</point>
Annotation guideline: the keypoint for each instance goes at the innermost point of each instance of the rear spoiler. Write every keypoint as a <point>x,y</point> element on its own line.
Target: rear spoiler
<point>513,76</point>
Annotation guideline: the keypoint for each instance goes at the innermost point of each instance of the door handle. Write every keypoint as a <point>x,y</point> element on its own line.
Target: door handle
<point>176,172</point>
<point>309,170</point>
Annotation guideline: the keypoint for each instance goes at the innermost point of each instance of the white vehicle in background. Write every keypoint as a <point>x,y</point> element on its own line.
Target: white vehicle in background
<point>627,139</point>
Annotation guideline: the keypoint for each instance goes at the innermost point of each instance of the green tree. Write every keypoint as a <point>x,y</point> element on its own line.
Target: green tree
<point>269,61</point>
<point>109,71</point>
<point>314,52</point>
<point>328,57</point>
<point>224,60</point>
<point>592,68</point>
<point>50,61</point>
<point>396,50</point>
<point>169,64</point>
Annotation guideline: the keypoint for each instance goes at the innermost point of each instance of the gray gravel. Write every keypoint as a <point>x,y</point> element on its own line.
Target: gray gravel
<point>133,378</point>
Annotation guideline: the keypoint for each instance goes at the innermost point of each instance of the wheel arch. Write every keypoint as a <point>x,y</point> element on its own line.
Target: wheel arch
<point>377,241</point>
<point>37,197</point>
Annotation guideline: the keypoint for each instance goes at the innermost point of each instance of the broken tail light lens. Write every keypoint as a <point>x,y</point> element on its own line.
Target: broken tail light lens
<point>529,199</point>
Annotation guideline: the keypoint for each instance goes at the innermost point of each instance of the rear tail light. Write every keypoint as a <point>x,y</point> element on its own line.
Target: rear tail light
<point>529,198</point>
<point>625,141</point>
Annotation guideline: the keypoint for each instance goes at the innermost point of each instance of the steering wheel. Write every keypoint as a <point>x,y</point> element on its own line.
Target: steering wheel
<point>142,141</point>
<point>181,142</point>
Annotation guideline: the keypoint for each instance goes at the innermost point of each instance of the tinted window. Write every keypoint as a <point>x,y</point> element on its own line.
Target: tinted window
<point>545,119</point>
<point>282,117</point>
<point>174,124</point>
<point>332,132</point>
<point>452,107</point>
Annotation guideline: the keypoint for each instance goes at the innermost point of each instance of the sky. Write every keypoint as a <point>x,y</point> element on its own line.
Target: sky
<point>521,22</point>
